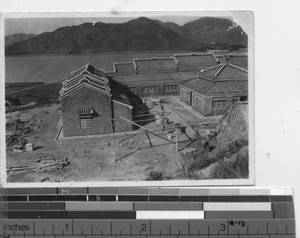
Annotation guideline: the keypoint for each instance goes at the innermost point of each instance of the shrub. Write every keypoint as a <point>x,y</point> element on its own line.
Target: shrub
<point>15,101</point>
<point>200,162</point>
<point>155,175</point>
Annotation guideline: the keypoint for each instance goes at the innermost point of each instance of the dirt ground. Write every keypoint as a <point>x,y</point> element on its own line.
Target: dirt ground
<point>133,157</point>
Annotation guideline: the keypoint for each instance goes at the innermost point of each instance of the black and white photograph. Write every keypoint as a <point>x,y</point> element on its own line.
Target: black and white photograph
<point>154,98</point>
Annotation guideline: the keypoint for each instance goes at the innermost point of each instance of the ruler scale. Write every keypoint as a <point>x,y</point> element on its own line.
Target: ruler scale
<point>146,212</point>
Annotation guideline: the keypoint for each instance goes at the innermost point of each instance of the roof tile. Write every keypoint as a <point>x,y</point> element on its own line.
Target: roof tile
<point>155,63</point>
<point>196,59</point>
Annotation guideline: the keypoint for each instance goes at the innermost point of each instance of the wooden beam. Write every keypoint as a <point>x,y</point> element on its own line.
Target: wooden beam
<point>146,129</point>
<point>148,138</point>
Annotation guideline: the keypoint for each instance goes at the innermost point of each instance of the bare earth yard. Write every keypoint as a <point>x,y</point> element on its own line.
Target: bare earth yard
<point>133,158</point>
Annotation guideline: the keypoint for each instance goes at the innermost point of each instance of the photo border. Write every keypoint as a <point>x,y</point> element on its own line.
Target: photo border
<point>134,14</point>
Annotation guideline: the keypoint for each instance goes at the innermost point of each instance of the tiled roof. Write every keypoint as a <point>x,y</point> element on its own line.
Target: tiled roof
<point>150,77</point>
<point>222,79</point>
<point>224,72</point>
<point>88,71</point>
<point>95,71</point>
<point>155,63</point>
<point>238,60</point>
<point>124,67</point>
<point>209,87</point>
<point>199,85</point>
<point>229,87</point>
<point>121,93</point>
<point>93,77</point>
<point>196,59</point>
<point>87,68</point>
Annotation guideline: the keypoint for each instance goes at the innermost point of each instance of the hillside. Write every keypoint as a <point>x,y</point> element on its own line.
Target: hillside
<point>9,40</point>
<point>234,126</point>
<point>217,30</point>
<point>141,34</point>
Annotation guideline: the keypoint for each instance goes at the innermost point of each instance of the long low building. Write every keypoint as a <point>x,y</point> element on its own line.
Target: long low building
<point>161,76</point>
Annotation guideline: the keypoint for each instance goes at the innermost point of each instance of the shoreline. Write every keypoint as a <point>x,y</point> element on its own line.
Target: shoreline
<point>244,50</point>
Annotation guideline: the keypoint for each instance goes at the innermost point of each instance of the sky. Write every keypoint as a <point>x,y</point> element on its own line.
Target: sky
<point>38,23</point>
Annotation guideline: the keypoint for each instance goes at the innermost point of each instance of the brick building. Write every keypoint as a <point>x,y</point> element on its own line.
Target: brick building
<point>161,76</point>
<point>91,104</point>
<point>216,89</point>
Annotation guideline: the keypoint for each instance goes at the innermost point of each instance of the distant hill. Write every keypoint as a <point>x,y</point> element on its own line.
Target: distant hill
<point>216,30</point>
<point>141,34</point>
<point>9,40</point>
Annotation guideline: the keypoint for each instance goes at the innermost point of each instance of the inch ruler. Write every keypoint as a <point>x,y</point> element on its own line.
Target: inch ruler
<point>146,213</point>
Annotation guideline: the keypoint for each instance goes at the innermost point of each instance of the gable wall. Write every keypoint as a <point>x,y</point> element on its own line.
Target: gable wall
<point>82,98</point>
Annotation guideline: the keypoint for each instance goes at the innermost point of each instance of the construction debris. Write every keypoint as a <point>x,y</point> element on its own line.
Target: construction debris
<point>39,166</point>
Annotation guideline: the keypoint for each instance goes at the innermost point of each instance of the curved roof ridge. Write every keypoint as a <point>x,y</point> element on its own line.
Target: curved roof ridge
<point>192,54</point>
<point>80,83</point>
<point>75,71</point>
<point>220,70</point>
<point>125,62</point>
<point>213,84</point>
<point>212,67</point>
<point>155,58</point>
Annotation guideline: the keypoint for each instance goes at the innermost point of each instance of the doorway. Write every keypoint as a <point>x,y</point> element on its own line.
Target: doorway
<point>191,99</point>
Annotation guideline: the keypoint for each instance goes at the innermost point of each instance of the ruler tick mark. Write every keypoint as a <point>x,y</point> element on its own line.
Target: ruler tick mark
<point>111,228</point>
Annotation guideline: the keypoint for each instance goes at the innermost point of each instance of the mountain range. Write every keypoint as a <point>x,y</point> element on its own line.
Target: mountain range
<point>141,34</point>
<point>9,40</point>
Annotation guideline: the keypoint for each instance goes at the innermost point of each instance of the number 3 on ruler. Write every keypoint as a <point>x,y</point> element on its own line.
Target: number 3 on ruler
<point>223,227</point>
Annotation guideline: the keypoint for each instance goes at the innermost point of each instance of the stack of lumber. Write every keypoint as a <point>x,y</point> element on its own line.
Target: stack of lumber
<point>37,166</point>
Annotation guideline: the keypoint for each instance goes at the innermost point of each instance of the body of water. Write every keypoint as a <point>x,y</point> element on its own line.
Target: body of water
<point>52,68</point>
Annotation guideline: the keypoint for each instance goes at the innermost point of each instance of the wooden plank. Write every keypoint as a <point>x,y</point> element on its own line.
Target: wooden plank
<point>146,129</point>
